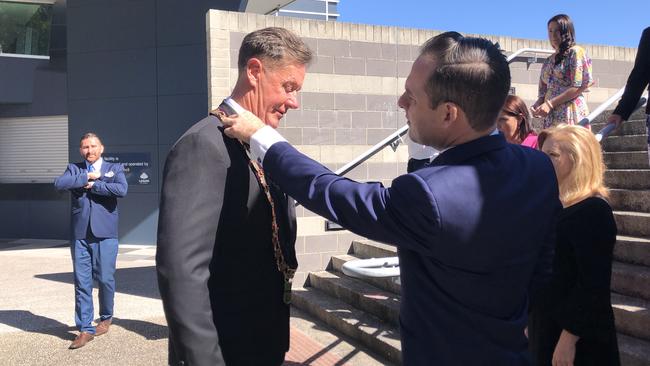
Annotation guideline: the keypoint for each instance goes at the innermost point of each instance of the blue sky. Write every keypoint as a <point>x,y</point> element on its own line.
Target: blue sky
<point>613,22</point>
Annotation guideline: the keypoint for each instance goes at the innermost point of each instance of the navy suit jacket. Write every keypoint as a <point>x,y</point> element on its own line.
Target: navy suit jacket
<point>97,206</point>
<point>474,232</point>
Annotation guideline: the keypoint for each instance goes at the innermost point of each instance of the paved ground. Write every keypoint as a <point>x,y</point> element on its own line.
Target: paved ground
<point>37,304</point>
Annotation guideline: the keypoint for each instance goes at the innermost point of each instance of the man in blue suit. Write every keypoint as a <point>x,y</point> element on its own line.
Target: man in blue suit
<point>95,186</point>
<point>474,228</point>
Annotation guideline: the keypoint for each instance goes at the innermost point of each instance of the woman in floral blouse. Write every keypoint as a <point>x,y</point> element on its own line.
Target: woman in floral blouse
<point>566,74</point>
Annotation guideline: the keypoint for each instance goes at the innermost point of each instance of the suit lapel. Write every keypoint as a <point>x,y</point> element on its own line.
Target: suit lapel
<point>285,211</point>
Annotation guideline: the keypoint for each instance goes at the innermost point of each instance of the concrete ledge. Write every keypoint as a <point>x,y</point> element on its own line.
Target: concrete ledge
<point>633,223</point>
<point>630,200</point>
<point>626,160</point>
<point>631,280</point>
<point>632,316</point>
<point>632,250</point>
<point>628,178</point>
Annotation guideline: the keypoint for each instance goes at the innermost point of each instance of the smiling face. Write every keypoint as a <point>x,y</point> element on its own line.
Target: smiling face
<point>275,90</point>
<point>91,149</point>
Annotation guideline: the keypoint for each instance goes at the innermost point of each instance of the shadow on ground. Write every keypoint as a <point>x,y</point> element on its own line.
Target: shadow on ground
<point>138,281</point>
<point>148,330</point>
<point>30,322</point>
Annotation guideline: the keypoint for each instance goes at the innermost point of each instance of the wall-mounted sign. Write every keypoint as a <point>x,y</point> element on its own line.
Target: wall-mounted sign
<point>137,166</point>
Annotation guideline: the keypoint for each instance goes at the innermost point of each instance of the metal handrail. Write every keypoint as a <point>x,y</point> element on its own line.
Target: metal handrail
<point>605,131</point>
<point>392,140</point>
<point>529,50</point>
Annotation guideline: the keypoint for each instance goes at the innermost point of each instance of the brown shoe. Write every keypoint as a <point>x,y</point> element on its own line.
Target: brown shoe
<point>81,340</point>
<point>102,327</point>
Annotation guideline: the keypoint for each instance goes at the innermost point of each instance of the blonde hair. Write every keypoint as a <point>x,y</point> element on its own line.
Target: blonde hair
<point>586,177</point>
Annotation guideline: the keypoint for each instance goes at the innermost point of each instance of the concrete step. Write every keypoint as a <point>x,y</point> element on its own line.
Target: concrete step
<point>371,249</point>
<point>628,178</point>
<point>631,127</point>
<point>627,160</point>
<point>631,223</point>
<point>387,284</point>
<point>349,351</point>
<point>358,293</point>
<point>631,280</point>
<point>632,316</point>
<point>630,200</point>
<point>633,351</point>
<point>625,143</point>
<point>380,337</point>
<point>632,250</point>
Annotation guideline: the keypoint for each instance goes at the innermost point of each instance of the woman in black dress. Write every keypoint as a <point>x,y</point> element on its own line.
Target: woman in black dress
<point>574,323</point>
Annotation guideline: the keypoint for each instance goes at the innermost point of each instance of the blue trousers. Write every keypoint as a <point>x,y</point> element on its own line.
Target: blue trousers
<point>93,258</point>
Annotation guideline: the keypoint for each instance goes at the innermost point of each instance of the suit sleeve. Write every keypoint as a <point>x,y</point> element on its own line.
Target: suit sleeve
<point>585,311</point>
<point>72,178</point>
<point>117,188</point>
<point>638,79</point>
<point>403,215</point>
<point>191,202</point>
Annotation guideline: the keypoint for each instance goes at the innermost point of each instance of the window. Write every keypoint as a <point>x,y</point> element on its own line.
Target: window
<point>25,28</point>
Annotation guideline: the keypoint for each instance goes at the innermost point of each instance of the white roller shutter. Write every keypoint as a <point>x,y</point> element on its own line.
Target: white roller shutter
<point>33,149</point>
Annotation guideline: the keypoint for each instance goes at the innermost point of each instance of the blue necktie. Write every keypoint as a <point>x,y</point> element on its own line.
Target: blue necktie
<point>91,168</point>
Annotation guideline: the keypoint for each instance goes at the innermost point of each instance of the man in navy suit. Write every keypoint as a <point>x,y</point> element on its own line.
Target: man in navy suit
<point>474,228</point>
<point>95,186</point>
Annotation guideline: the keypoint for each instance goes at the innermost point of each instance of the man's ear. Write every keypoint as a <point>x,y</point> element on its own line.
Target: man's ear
<point>451,111</point>
<point>253,71</point>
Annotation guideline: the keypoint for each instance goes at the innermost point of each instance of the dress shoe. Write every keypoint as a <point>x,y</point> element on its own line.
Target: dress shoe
<point>81,340</point>
<point>102,327</point>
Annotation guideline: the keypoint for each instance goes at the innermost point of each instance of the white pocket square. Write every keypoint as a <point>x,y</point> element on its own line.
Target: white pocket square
<point>109,174</point>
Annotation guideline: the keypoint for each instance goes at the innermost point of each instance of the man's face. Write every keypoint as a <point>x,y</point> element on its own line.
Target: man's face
<point>91,149</point>
<point>422,119</point>
<point>277,92</point>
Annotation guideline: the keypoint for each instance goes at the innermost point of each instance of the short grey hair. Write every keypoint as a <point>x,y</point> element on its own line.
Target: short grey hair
<point>276,45</point>
<point>470,72</point>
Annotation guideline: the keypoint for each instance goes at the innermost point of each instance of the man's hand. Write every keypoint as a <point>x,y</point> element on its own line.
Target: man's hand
<point>94,175</point>
<point>565,350</point>
<point>242,126</point>
<point>615,119</point>
<point>89,185</point>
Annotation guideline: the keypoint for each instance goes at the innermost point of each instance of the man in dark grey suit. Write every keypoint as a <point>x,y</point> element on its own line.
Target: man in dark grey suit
<point>225,233</point>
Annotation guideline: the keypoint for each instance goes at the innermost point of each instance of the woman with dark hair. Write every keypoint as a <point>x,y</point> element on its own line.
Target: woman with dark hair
<point>514,123</point>
<point>566,74</point>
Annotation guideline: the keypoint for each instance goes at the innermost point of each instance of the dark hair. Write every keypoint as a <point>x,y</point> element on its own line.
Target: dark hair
<point>276,45</point>
<point>470,72</point>
<point>89,135</point>
<point>568,34</point>
<point>516,107</point>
